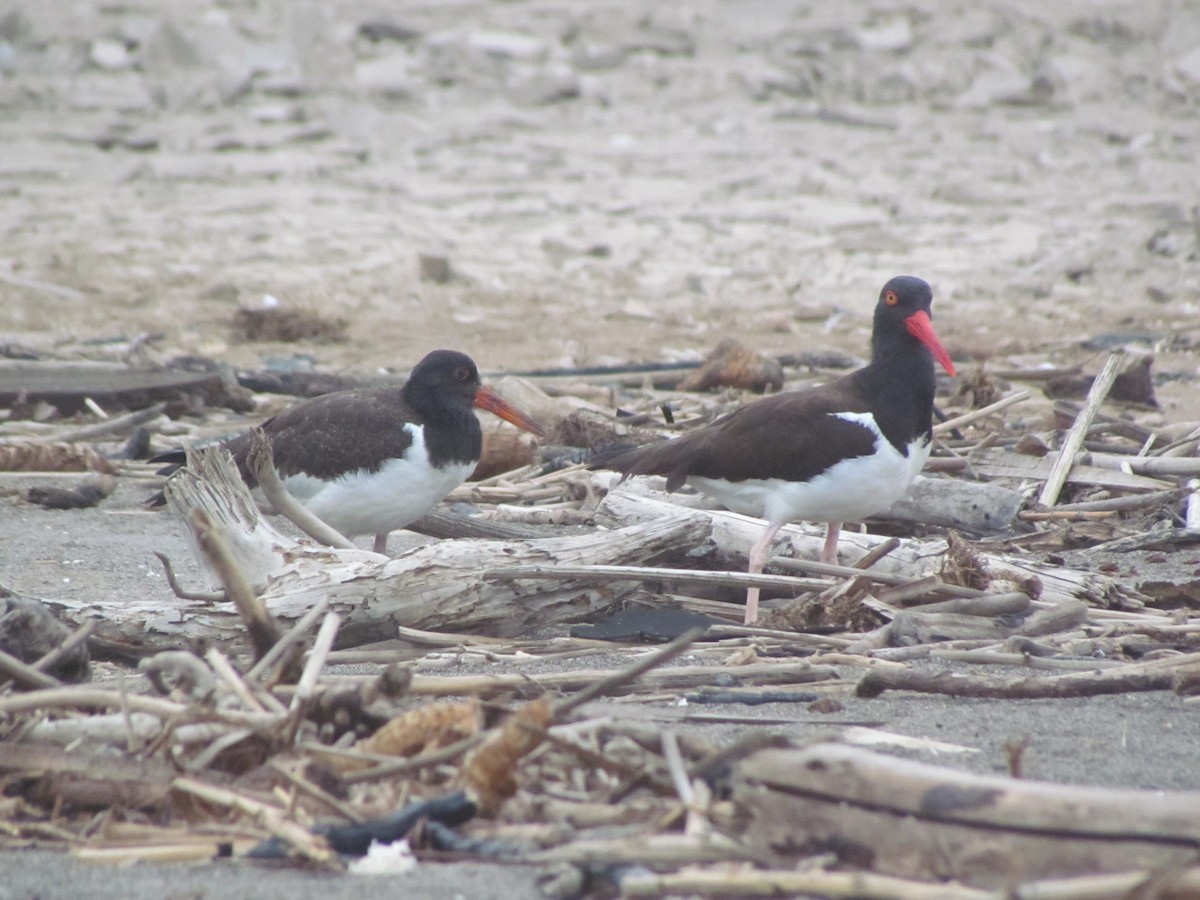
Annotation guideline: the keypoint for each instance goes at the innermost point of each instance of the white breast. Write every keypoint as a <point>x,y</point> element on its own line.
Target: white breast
<point>399,493</point>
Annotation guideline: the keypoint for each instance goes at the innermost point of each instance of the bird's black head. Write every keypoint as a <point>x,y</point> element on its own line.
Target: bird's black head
<point>446,383</point>
<point>905,309</point>
<point>444,377</point>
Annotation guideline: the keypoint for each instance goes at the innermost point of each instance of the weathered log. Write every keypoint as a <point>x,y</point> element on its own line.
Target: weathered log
<point>914,820</point>
<point>430,587</point>
<point>734,534</point>
<point>1156,675</point>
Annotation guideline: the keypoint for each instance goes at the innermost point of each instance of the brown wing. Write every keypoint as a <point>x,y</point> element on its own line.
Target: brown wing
<point>335,433</point>
<point>793,436</point>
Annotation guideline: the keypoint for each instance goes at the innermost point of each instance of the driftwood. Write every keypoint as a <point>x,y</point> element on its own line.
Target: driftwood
<point>1169,673</point>
<point>734,534</point>
<point>914,820</point>
<point>431,587</point>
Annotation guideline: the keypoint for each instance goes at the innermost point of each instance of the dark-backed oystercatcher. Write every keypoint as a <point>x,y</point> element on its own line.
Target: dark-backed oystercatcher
<point>373,460</point>
<point>835,453</point>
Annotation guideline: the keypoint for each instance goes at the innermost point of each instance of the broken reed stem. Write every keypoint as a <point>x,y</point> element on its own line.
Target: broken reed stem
<point>976,414</point>
<point>628,674</point>
<point>268,817</point>
<point>98,698</point>
<point>178,590</point>
<point>74,639</point>
<point>286,643</point>
<point>312,671</point>
<point>819,883</point>
<point>396,767</point>
<point>24,675</point>
<point>113,425</point>
<point>651,573</point>
<point>1074,439</point>
<point>260,462</point>
<point>259,625</point>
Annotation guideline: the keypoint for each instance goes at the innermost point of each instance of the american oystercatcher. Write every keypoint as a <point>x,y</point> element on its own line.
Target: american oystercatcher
<point>372,460</point>
<point>835,453</point>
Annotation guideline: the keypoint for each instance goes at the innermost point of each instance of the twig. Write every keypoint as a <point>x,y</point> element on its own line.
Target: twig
<point>178,590</point>
<point>110,426</point>
<point>394,767</point>
<point>629,674</point>
<point>816,883</point>
<point>269,817</point>
<point>77,637</point>
<point>268,660</point>
<point>344,810</point>
<point>1074,439</point>
<point>263,630</point>
<point>651,573</point>
<point>976,414</point>
<point>98,698</point>
<point>312,671</point>
<point>25,675</point>
<point>262,466</point>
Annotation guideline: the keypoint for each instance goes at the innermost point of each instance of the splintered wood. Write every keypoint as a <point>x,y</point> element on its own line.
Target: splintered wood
<point>1050,541</point>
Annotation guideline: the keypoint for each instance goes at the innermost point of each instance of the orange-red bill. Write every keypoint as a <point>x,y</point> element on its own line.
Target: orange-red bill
<point>486,398</point>
<point>920,327</point>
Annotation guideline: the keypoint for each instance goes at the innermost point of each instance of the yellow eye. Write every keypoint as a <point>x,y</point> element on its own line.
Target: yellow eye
<point>890,298</point>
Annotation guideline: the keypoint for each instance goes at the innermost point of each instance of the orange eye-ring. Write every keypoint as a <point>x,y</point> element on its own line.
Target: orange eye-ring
<point>890,298</point>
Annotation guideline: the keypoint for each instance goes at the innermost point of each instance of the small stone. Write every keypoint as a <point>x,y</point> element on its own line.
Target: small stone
<point>377,30</point>
<point>111,54</point>
<point>1187,68</point>
<point>893,35</point>
<point>391,75</point>
<point>434,267</point>
<point>508,45</point>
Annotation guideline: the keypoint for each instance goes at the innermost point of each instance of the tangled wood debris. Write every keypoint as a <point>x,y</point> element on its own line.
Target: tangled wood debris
<point>241,734</point>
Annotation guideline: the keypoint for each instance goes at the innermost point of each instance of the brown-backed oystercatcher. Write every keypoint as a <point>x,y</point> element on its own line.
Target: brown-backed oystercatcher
<point>369,461</point>
<point>836,453</point>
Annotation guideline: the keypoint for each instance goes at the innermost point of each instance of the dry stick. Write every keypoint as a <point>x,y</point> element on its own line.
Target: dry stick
<point>25,675</point>
<point>269,817</point>
<point>289,640</point>
<point>178,590</point>
<point>650,573</point>
<point>312,671</point>
<point>976,414</point>
<point>263,630</point>
<point>110,426</point>
<point>1191,519</point>
<point>395,767</point>
<point>81,697</point>
<point>1074,439</point>
<point>817,882</point>
<point>1084,684</point>
<point>876,553</point>
<point>345,810</point>
<point>77,637</point>
<point>627,675</point>
<point>262,466</point>
<point>222,666</point>
<point>442,523</point>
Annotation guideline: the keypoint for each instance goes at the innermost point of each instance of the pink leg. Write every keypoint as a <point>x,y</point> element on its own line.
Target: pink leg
<point>380,545</point>
<point>758,558</point>
<point>829,551</point>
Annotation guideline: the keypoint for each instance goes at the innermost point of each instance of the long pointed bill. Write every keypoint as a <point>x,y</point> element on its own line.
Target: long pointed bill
<point>921,328</point>
<point>486,398</point>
